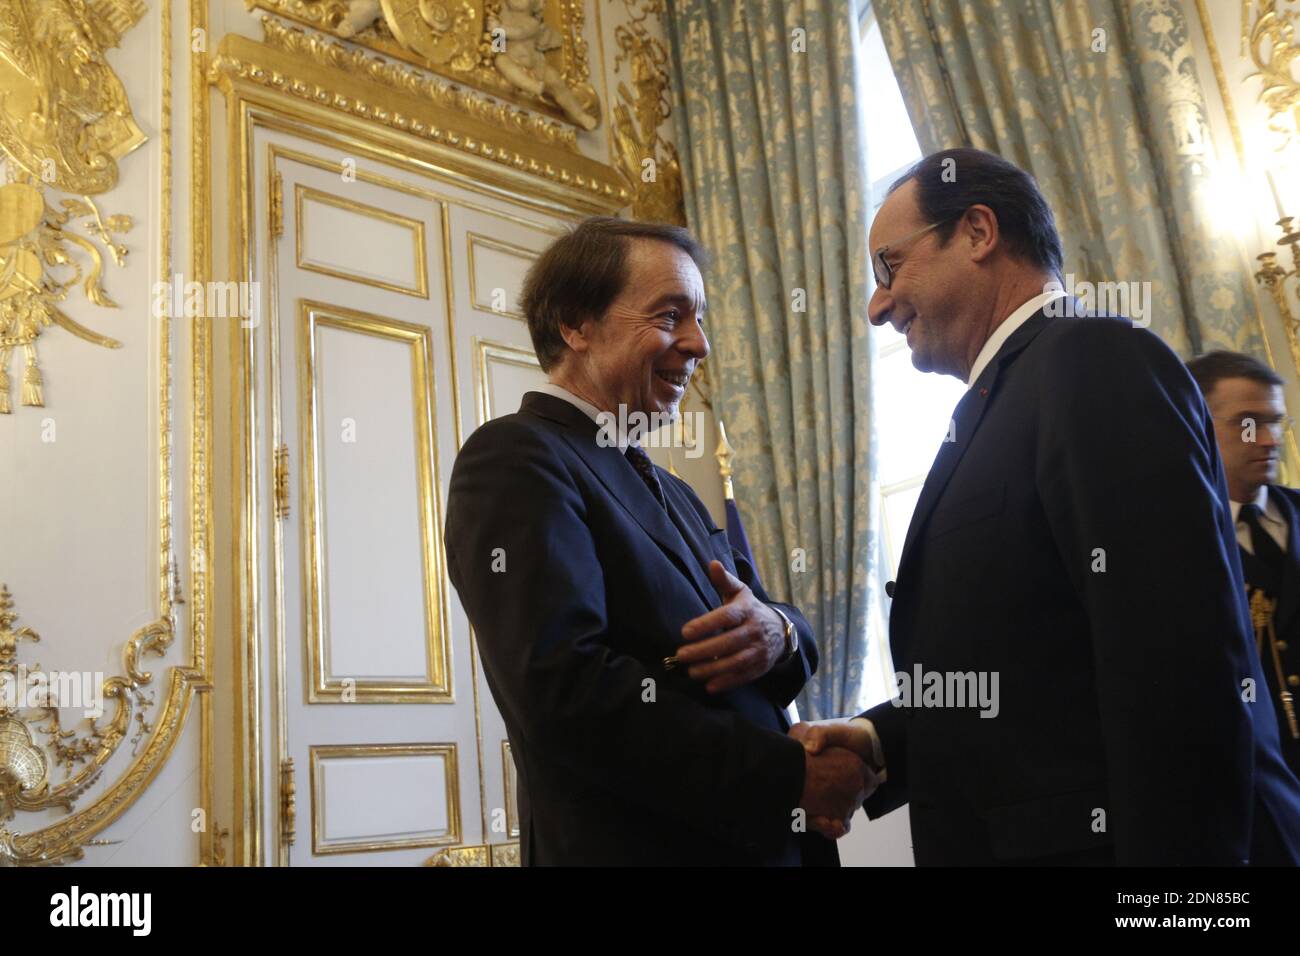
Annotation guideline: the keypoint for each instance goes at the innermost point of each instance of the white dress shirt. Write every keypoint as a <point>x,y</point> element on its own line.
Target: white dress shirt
<point>562,393</point>
<point>590,410</point>
<point>1003,332</point>
<point>1270,519</point>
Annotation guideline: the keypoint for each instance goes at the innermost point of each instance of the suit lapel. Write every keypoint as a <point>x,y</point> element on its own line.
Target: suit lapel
<point>620,479</point>
<point>966,420</point>
<point>685,519</point>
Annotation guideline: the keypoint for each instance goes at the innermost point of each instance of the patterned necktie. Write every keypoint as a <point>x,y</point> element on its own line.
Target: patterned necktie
<point>646,469</point>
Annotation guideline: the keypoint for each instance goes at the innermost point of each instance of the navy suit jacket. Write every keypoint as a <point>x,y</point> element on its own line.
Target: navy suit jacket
<point>620,761</point>
<point>1075,538</point>
<point>1286,618</point>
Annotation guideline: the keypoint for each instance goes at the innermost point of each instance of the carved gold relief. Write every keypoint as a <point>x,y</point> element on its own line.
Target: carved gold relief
<point>64,117</point>
<point>460,856</point>
<point>528,51</point>
<point>337,56</point>
<point>40,263</point>
<point>1268,32</point>
<point>26,764</point>
<point>648,161</point>
<point>64,123</point>
<point>496,854</point>
<point>521,40</point>
<point>306,68</point>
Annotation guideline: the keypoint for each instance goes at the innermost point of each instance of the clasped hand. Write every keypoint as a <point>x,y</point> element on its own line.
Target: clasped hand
<point>735,643</point>
<point>838,775</point>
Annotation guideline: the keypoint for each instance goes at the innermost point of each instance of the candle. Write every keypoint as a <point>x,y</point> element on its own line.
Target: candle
<point>1277,200</point>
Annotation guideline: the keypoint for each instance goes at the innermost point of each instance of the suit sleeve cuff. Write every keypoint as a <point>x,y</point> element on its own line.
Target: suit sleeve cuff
<point>877,751</point>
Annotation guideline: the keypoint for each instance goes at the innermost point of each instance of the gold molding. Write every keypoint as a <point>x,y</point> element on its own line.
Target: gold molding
<point>463,51</point>
<point>480,855</point>
<point>321,753</point>
<point>211,846</point>
<point>509,783</point>
<point>335,56</point>
<point>283,486</point>
<point>437,688</point>
<point>505,854</point>
<point>487,351</point>
<point>303,193</point>
<point>461,856</point>
<point>21,788</point>
<point>375,179</point>
<point>470,143</point>
<point>510,249</point>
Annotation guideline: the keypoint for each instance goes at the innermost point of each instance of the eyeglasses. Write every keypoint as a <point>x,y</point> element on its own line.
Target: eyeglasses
<point>884,271</point>
<point>1277,424</point>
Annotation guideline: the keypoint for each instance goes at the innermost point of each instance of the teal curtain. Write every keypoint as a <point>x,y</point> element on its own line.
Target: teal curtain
<point>771,150</point>
<point>1100,100</point>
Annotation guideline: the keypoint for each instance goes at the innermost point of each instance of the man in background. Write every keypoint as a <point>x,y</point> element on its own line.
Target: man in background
<point>1245,399</point>
<point>641,670</point>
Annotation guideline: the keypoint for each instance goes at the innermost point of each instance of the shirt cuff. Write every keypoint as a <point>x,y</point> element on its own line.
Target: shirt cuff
<point>877,751</point>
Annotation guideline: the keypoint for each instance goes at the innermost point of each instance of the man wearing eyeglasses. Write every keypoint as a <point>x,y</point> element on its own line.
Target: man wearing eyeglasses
<point>1072,547</point>
<point>1245,399</point>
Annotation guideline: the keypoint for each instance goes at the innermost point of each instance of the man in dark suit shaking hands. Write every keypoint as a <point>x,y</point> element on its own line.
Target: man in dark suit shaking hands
<point>641,671</point>
<point>1245,399</point>
<point>1072,548</point>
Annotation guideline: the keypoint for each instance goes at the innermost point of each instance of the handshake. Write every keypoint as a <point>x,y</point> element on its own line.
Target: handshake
<point>840,773</point>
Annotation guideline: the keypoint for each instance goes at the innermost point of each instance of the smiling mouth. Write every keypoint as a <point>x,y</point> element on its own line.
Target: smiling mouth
<point>677,379</point>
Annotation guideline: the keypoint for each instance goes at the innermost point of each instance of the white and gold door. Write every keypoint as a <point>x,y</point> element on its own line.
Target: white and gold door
<point>391,330</point>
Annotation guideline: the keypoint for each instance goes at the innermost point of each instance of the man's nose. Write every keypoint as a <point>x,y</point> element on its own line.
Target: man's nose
<point>695,343</point>
<point>878,306</point>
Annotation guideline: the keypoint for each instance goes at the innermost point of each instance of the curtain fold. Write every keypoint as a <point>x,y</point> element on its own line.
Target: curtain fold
<point>771,150</point>
<point>1100,100</point>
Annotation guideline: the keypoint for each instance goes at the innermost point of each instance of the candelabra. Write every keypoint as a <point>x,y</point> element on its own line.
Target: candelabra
<point>1280,282</point>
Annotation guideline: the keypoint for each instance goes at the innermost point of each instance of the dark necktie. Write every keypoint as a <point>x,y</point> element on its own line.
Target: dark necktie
<point>646,469</point>
<point>1266,549</point>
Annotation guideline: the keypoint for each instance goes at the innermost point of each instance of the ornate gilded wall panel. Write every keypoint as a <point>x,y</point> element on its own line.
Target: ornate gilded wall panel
<point>65,124</point>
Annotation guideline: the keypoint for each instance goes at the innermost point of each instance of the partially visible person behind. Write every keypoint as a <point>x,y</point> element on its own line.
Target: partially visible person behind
<point>1245,399</point>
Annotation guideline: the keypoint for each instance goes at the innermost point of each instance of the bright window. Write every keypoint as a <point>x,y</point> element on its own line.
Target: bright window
<point>912,409</point>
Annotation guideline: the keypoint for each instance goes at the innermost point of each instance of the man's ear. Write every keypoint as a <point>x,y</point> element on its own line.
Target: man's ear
<point>980,228</point>
<point>577,337</point>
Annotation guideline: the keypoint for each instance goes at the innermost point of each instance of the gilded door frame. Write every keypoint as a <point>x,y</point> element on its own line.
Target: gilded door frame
<point>268,88</point>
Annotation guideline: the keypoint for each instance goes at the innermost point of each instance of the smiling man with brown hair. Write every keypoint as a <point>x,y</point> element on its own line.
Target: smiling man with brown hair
<point>641,671</point>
